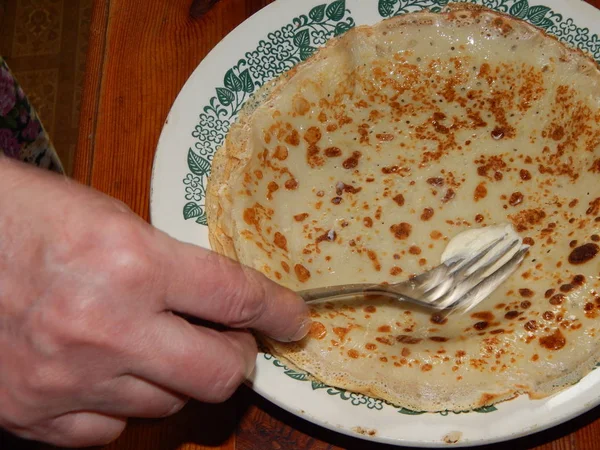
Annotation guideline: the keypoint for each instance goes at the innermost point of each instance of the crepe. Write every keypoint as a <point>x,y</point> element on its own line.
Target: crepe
<point>360,164</point>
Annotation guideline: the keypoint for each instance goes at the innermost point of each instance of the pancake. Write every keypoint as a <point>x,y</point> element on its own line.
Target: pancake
<point>360,165</point>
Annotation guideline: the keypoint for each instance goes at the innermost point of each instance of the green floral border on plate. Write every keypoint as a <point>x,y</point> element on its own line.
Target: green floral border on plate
<point>285,47</point>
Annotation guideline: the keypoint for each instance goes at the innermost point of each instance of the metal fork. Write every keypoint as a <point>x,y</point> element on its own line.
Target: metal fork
<point>459,283</point>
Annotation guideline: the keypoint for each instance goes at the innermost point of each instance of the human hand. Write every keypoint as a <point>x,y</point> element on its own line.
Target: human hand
<point>87,331</point>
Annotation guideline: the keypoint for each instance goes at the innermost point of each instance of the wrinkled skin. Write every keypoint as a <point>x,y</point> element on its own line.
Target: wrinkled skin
<point>88,334</point>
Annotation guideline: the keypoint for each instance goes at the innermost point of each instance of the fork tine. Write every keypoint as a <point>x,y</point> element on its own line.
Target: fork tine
<point>470,275</point>
<point>482,289</point>
<point>468,263</point>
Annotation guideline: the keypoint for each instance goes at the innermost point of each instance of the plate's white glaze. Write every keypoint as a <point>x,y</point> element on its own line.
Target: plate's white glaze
<point>262,47</point>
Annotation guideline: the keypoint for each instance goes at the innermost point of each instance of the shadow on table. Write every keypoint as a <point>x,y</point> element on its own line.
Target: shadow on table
<point>307,432</point>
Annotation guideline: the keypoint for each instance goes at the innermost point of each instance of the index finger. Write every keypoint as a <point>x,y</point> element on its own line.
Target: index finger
<point>209,286</point>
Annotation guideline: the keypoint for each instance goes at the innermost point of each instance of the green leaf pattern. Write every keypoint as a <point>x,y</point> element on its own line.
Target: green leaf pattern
<point>281,50</point>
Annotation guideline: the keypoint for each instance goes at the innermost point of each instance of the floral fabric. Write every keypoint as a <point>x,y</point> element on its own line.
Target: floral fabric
<point>22,135</point>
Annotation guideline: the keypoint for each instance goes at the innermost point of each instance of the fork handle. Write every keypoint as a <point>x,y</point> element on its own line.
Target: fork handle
<point>322,293</point>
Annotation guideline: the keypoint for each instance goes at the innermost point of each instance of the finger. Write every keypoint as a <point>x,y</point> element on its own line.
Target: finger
<point>81,429</point>
<point>213,287</point>
<point>130,396</point>
<point>198,362</point>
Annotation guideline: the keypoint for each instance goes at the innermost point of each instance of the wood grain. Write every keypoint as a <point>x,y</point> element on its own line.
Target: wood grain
<point>141,52</point>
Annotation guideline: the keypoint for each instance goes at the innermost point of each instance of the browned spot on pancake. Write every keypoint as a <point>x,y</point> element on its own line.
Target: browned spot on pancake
<point>436,181</point>
<point>487,399</point>
<point>438,319</point>
<point>480,192</point>
<point>427,214</point>
<point>479,218</point>
<point>383,340</point>
<point>497,133</point>
<point>529,241</point>
<point>271,187</point>
<point>557,299</point>
<point>373,257</point>
<point>341,187</point>
<point>525,292</point>
<point>405,339</point>
<point>557,133</point>
<point>370,309</point>
<point>352,162</point>
<point>481,325</point>
<point>526,218</point>
<point>435,235</point>
<point>399,199</point>
<point>405,352</point>
<point>285,266</point>
<point>317,330</point>
<point>302,273</point>
<point>515,199</point>
<point>336,200</point>
<point>555,341</point>
<point>483,315</point>
<point>291,184</point>
<point>384,136</point>
<point>280,241</point>
<point>583,253</point>
<point>370,346</point>
<point>332,152</point>
<point>512,315</point>
<point>341,332</point>
<point>525,175</point>
<point>313,157</point>
<point>312,135</point>
<point>395,271</point>
<point>368,222</point>
<point>384,329</point>
<point>300,217</point>
<point>329,236</point>
<point>548,315</point>
<point>280,153</point>
<point>450,194</point>
<point>414,250</point>
<point>293,138</point>
<point>594,208</point>
<point>301,105</point>
<point>250,216</point>
<point>401,230</point>
<point>426,367</point>
<point>525,304</point>
<point>595,167</point>
<point>438,339</point>
<point>353,353</point>
<point>531,325</point>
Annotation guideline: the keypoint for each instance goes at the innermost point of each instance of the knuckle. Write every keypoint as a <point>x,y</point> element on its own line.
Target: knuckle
<point>246,301</point>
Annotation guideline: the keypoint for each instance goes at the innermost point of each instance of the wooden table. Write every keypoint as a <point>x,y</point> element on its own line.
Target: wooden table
<point>141,52</point>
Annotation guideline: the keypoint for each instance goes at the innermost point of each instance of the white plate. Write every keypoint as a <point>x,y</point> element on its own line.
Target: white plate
<point>268,43</point>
